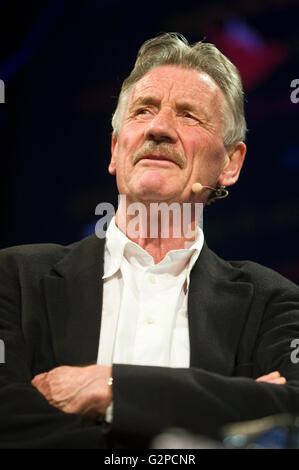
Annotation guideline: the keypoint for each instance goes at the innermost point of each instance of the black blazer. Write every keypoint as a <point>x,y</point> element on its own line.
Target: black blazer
<point>242,319</point>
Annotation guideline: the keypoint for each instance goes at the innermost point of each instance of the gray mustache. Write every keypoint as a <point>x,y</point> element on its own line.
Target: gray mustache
<point>163,149</point>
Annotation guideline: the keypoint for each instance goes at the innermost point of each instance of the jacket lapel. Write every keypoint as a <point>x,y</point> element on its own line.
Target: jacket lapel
<point>218,306</point>
<point>74,301</point>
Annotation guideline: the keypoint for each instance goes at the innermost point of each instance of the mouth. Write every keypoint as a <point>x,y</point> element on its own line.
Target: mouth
<point>156,158</point>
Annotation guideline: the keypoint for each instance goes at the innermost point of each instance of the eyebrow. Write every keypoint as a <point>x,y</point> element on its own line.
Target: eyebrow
<point>144,101</point>
<point>180,106</point>
<point>187,106</point>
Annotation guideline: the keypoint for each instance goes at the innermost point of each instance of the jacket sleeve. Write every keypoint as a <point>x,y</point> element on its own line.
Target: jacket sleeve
<point>147,400</point>
<point>26,418</point>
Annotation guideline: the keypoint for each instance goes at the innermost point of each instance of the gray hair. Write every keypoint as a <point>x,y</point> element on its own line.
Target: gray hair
<point>174,49</point>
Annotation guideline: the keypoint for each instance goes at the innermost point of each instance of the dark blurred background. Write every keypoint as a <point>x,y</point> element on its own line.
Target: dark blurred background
<point>63,64</point>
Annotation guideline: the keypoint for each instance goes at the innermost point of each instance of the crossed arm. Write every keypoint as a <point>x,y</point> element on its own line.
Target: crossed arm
<point>62,408</point>
<point>85,390</point>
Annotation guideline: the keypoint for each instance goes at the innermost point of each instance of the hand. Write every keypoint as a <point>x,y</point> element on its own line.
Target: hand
<point>81,390</point>
<point>272,378</point>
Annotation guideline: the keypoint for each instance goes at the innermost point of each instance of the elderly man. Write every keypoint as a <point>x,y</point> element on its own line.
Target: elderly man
<point>109,342</point>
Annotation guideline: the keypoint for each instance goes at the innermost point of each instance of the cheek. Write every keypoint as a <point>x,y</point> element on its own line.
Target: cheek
<point>212,150</point>
<point>120,156</point>
<point>130,136</point>
<point>208,156</point>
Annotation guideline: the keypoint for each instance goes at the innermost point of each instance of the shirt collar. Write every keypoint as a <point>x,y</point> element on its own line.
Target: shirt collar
<point>117,242</point>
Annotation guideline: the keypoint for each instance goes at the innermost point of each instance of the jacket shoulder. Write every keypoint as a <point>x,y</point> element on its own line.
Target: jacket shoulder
<point>262,275</point>
<point>249,271</point>
<point>32,257</point>
<point>38,259</point>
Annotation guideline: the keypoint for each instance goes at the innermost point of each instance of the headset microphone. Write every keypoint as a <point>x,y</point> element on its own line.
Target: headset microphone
<point>219,193</point>
<point>197,187</point>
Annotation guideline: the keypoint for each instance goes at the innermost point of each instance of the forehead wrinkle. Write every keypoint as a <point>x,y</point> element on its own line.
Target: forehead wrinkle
<point>161,88</point>
<point>143,95</point>
<point>145,100</point>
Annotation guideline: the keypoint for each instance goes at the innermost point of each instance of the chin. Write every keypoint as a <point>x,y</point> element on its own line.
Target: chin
<point>151,196</point>
<point>155,195</point>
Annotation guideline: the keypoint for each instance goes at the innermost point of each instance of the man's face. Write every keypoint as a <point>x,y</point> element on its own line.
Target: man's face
<point>171,136</point>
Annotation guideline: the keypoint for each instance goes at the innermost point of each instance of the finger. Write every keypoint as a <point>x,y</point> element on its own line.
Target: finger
<point>279,381</point>
<point>276,373</point>
<point>38,379</point>
<point>272,375</point>
<point>40,382</point>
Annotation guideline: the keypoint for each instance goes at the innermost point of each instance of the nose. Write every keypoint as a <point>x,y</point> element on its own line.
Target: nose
<point>161,128</point>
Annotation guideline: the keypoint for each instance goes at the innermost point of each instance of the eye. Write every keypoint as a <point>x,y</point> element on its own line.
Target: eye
<point>190,116</point>
<point>142,111</point>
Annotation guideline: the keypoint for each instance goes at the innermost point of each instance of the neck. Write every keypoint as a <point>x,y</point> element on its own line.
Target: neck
<point>159,227</point>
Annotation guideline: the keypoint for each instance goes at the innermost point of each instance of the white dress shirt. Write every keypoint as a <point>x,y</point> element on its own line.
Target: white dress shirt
<point>144,314</point>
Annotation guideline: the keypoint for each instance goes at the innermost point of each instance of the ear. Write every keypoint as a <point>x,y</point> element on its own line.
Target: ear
<point>112,165</point>
<point>235,160</point>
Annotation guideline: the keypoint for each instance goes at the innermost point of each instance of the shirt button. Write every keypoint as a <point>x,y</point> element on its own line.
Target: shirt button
<point>152,279</point>
<point>149,320</point>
